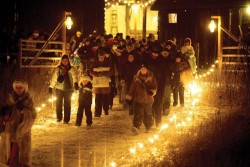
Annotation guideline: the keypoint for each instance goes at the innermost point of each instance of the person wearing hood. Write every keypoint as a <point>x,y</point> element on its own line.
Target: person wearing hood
<point>188,51</point>
<point>140,94</point>
<point>64,80</point>
<point>19,118</point>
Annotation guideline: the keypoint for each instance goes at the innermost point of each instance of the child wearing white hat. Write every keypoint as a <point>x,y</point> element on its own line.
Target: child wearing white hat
<point>84,101</point>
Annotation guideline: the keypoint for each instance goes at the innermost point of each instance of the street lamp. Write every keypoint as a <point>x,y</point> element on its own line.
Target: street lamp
<point>68,22</point>
<point>67,25</point>
<point>212,27</point>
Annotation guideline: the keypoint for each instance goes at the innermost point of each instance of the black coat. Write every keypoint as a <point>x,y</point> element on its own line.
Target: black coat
<point>85,94</point>
<point>157,67</point>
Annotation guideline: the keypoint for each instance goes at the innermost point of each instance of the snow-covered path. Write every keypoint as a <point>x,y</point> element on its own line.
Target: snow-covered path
<point>110,138</point>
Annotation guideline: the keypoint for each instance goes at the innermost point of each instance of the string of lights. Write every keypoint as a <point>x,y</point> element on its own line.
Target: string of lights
<point>141,3</point>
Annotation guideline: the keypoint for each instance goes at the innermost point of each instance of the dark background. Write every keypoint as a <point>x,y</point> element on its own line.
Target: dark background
<point>44,15</point>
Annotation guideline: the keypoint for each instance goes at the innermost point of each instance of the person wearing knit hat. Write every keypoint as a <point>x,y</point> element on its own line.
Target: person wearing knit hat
<point>64,80</point>
<point>84,101</point>
<point>140,94</point>
<point>20,115</point>
<point>101,71</point>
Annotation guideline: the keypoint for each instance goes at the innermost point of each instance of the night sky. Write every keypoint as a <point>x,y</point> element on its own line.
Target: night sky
<point>44,15</point>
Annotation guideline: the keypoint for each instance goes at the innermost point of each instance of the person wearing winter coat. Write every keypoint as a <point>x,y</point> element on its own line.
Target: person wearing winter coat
<point>86,55</point>
<point>84,101</point>
<point>141,92</point>
<point>64,80</point>
<point>75,41</point>
<point>101,70</point>
<point>109,55</point>
<point>169,52</point>
<point>128,72</point>
<point>19,118</point>
<point>155,63</point>
<point>177,85</point>
<point>188,51</point>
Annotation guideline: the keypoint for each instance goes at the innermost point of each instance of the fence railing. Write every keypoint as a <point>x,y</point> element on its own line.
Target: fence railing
<point>235,58</point>
<point>50,56</point>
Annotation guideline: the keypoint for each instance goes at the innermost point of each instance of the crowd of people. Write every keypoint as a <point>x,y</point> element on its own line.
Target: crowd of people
<point>143,74</point>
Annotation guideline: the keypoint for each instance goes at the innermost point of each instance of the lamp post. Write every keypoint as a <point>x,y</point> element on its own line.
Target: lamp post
<point>68,24</point>
<point>212,27</point>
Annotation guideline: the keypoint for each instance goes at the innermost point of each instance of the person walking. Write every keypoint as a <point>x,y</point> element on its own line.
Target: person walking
<point>64,80</point>
<point>19,117</point>
<point>177,84</point>
<point>188,51</point>
<point>141,93</point>
<point>155,63</point>
<point>101,71</point>
<point>84,101</point>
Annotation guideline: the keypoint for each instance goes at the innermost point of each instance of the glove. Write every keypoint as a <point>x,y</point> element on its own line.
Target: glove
<point>60,79</point>
<point>76,86</point>
<point>129,102</point>
<point>150,92</point>
<point>19,106</point>
<point>50,90</point>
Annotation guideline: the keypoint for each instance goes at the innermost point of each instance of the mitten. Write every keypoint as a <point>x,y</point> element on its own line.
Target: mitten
<point>50,90</point>
<point>76,86</point>
<point>129,102</point>
<point>19,106</point>
<point>60,79</point>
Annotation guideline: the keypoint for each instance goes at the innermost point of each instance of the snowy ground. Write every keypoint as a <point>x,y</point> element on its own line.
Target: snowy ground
<point>109,139</point>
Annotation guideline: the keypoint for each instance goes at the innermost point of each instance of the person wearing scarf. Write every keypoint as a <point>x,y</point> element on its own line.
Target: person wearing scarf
<point>64,80</point>
<point>19,118</point>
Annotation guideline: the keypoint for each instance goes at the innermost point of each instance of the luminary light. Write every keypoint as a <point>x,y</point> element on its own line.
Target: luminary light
<point>113,164</point>
<point>140,145</point>
<point>132,150</point>
<point>38,109</point>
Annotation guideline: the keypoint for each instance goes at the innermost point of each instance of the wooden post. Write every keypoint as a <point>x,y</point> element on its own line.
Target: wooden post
<point>144,22</point>
<point>219,43</point>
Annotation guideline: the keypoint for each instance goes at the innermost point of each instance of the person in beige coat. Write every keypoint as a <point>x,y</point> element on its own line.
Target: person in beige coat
<point>64,80</point>
<point>19,118</point>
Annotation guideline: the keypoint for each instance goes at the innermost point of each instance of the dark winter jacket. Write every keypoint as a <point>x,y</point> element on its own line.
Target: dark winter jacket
<point>128,72</point>
<point>85,53</point>
<point>85,93</point>
<point>157,67</point>
<point>176,69</point>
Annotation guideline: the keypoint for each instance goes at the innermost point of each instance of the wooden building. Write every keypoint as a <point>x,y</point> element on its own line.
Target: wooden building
<point>193,18</point>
